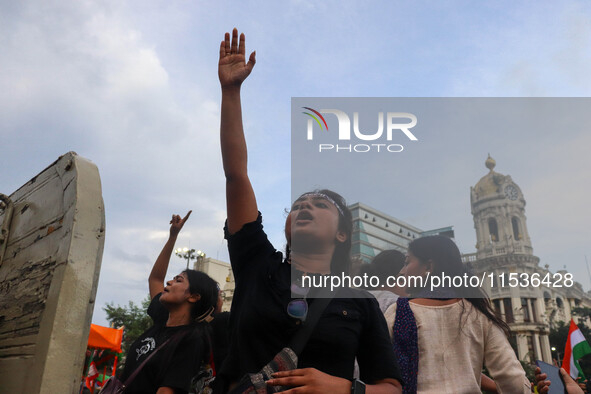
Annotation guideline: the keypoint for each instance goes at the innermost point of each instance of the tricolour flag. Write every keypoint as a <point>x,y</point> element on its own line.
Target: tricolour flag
<point>576,348</point>
<point>91,375</point>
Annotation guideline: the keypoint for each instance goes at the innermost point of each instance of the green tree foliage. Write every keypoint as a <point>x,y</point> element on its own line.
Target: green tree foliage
<point>530,370</point>
<point>583,313</point>
<point>133,317</point>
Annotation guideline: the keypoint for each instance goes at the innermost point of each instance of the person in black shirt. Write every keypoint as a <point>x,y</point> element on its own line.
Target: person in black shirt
<point>180,311</point>
<point>318,231</point>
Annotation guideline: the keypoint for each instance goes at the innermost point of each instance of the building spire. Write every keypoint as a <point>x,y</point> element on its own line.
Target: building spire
<point>490,163</point>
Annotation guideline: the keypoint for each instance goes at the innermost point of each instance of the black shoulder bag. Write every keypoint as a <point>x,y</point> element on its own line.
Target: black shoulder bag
<point>287,358</point>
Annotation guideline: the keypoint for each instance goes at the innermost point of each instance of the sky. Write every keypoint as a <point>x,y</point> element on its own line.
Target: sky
<point>132,86</point>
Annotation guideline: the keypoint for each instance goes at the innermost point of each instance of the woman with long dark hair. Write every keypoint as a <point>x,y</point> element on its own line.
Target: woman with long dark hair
<point>264,318</point>
<point>387,264</point>
<point>180,311</point>
<point>443,337</point>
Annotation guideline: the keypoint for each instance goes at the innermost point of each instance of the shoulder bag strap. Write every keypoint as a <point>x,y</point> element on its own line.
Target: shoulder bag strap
<point>139,368</point>
<point>299,340</point>
<point>210,345</point>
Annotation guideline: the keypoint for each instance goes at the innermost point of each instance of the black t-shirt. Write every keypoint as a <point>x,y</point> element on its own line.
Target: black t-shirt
<point>260,326</point>
<point>220,338</point>
<point>172,366</point>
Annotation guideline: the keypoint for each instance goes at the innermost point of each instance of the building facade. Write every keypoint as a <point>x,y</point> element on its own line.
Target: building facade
<point>221,272</point>
<point>375,231</point>
<point>504,249</point>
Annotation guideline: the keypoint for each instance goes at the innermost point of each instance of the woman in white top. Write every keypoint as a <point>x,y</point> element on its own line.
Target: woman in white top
<point>442,340</point>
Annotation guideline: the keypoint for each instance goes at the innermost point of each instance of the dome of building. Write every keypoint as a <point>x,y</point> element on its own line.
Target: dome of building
<point>490,183</point>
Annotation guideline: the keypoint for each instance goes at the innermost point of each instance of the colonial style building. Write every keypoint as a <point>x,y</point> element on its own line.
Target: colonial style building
<point>504,249</point>
<point>221,272</point>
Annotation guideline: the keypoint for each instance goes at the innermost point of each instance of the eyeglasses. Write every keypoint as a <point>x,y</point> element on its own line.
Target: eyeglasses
<point>298,308</point>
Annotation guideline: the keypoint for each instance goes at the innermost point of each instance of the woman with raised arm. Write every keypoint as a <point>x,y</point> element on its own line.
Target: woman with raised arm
<point>176,346</point>
<point>264,317</point>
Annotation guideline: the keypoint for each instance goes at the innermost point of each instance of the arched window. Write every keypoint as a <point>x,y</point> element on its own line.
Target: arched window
<point>493,230</point>
<point>516,233</point>
<point>547,299</point>
<point>559,302</point>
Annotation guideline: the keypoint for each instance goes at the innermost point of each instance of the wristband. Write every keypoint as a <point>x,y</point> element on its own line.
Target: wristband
<point>357,387</point>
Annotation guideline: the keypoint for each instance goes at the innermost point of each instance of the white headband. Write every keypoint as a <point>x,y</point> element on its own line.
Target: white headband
<point>325,197</point>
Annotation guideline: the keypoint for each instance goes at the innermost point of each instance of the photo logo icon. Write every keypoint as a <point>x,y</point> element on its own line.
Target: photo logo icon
<point>389,124</point>
<point>316,119</point>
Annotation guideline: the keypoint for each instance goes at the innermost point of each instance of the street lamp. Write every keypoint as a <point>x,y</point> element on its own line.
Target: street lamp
<point>558,361</point>
<point>186,253</point>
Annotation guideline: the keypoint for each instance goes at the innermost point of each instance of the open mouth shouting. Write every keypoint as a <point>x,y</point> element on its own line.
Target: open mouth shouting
<point>304,217</point>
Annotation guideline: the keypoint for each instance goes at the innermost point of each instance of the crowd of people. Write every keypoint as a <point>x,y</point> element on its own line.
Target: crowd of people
<point>281,335</point>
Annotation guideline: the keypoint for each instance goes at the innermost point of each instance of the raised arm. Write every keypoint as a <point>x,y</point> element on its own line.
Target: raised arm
<point>158,274</point>
<point>232,71</point>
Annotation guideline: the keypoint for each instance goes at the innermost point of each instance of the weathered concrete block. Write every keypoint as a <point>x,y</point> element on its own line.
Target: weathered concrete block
<point>49,267</point>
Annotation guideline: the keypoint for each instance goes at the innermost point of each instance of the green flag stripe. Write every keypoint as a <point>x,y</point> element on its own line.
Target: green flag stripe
<point>581,374</point>
<point>581,349</point>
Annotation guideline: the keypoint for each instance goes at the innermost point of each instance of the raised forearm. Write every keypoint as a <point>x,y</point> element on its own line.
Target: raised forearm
<point>233,143</point>
<point>158,273</point>
<point>240,198</point>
